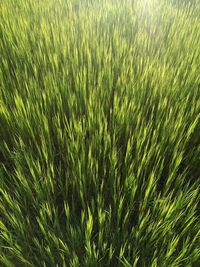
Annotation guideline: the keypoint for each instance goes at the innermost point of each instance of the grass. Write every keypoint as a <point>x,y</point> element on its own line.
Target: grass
<point>99,133</point>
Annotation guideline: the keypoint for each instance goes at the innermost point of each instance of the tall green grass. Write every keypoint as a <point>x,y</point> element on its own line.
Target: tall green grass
<point>99,133</point>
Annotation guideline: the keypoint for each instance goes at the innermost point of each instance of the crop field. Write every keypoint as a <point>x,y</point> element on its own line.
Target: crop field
<point>99,133</point>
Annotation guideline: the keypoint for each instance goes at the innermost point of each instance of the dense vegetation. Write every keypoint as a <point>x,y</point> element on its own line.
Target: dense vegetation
<point>99,133</point>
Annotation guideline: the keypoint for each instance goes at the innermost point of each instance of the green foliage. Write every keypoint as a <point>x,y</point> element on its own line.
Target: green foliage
<point>99,133</point>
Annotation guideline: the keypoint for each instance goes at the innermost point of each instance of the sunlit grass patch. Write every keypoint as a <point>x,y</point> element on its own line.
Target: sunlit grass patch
<point>99,133</point>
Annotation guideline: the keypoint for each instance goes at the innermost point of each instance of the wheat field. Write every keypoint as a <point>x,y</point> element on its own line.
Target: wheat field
<point>99,133</point>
